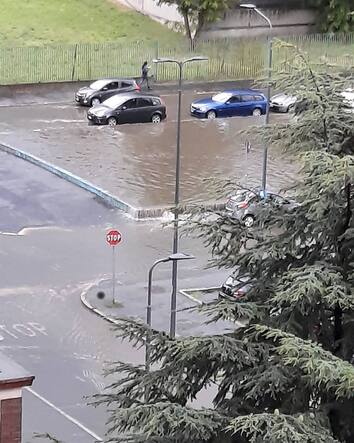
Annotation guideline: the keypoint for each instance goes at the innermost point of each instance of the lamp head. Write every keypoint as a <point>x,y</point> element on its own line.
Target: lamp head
<point>248,6</point>
<point>181,256</point>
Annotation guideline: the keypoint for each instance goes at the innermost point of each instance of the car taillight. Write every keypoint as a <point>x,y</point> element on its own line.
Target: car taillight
<point>243,205</point>
<point>239,293</point>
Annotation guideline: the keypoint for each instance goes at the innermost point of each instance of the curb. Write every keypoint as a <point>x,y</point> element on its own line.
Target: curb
<point>88,306</point>
<point>107,197</point>
<point>72,178</point>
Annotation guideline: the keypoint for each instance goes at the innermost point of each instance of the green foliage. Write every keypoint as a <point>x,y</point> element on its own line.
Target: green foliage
<point>43,22</point>
<point>274,428</point>
<point>284,371</point>
<point>197,13</point>
<point>335,15</point>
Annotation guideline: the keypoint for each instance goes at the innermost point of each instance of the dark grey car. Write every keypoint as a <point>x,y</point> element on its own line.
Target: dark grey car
<point>245,205</point>
<point>101,90</point>
<point>128,108</point>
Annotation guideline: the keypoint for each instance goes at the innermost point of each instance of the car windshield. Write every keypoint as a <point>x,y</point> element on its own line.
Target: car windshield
<point>98,84</point>
<point>243,195</point>
<point>115,101</point>
<point>222,97</point>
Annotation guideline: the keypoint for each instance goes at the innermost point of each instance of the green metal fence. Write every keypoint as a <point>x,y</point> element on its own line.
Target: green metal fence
<point>228,59</point>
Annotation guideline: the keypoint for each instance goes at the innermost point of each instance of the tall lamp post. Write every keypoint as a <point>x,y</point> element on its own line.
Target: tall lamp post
<point>252,7</point>
<point>174,258</point>
<point>180,64</point>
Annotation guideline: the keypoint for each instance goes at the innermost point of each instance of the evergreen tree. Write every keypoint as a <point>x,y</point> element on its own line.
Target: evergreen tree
<point>287,375</point>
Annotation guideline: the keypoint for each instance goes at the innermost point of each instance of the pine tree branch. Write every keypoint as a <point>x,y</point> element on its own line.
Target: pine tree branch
<point>168,420</point>
<point>327,372</point>
<point>281,428</point>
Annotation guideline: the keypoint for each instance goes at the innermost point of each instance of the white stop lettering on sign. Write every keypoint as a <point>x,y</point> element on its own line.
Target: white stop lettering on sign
<point>113,237</point>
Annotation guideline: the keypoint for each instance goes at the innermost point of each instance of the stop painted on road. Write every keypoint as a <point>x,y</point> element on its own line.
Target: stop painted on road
<point>19,330</point>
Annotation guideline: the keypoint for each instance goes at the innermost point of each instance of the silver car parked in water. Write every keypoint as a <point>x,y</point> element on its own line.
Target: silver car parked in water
<point>282,102</point>
<point>246,204</point>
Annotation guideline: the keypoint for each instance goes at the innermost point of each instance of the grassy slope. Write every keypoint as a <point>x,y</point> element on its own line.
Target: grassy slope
<point>39,22</point>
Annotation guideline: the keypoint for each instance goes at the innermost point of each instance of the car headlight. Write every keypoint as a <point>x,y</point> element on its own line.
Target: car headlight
<point>203,108</point>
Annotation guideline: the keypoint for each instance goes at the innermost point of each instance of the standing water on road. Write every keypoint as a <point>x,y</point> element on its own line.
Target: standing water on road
<point>137,162</point>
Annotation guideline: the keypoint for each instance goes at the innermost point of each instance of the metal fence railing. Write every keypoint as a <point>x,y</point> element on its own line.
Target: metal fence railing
<point>228,59</point>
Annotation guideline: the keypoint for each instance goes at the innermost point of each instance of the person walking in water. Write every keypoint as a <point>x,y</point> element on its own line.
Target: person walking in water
<point>144,74</point>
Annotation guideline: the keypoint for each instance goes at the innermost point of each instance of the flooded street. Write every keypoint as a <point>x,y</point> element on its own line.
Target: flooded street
<point>137,162</point>
<point>54,249</point>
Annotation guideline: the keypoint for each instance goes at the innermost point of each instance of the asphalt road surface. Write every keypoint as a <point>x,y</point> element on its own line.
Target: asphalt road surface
<point>52,245</point>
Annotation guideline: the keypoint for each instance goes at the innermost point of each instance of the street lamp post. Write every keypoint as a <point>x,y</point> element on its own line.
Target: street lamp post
<point>174,258</point>
<point>180,65</point>
<point>252,7</point>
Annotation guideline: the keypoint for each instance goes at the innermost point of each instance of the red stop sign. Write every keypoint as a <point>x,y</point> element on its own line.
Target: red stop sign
<point>113,237</point>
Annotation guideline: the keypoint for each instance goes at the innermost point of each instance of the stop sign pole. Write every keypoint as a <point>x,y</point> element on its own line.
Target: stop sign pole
<point>113,238</point>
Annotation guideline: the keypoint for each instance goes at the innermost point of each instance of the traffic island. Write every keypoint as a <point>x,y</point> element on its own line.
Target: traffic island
<point>130,303</point>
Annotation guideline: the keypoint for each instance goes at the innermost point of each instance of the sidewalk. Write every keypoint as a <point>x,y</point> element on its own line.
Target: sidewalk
<point>131,303</point>
<point>45,93</point>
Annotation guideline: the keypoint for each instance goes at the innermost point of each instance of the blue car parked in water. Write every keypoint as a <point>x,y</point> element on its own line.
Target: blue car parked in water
<point>229,103</point>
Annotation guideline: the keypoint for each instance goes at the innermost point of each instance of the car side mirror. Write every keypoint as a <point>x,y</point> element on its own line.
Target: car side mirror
<point>105,88</point>
<point>124,108</point>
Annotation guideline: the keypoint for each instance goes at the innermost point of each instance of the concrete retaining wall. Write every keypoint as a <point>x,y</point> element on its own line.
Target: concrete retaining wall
<point>244,23</point>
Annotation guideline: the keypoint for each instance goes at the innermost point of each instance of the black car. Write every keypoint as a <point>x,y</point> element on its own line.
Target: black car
<point>128,108</point>
<point>235,287</point>
<point>101,90</point>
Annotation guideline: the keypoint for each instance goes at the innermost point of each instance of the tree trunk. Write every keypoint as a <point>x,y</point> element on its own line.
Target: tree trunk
<point>187,27</point>
<point>200,24</point>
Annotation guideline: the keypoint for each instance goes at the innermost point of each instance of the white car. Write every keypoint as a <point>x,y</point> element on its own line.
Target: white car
<point>348,96</point>
<point>282,102</point>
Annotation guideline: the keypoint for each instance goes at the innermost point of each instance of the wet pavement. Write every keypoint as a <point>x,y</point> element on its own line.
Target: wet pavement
<point>137,162</point>
<point>52,248</point>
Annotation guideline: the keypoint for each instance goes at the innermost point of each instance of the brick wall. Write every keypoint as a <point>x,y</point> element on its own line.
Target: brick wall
<point>10,420</point>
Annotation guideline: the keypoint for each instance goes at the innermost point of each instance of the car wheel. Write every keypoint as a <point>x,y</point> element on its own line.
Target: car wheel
<point>257,112</point>
<point>156,118</point>
<point>211,115</point>
<point>112,121</point>
<point>248,221</point>
<point>95,101</point>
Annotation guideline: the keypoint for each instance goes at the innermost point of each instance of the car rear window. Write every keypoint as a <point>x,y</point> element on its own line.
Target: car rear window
<point>247,98</point>
<point>143,102</point>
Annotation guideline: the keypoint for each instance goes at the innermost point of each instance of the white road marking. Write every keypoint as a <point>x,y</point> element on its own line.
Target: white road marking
<point>62,120</point>
<point>79,378</point>
<point>185,292</point>
<point>28,329</point>
<point>183,120</point>
<point>64,414</point>
<point>16,234</point>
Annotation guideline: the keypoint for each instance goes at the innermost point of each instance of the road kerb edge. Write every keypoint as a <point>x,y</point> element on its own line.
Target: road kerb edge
<point>98,312</point>
<point>72,178</point>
